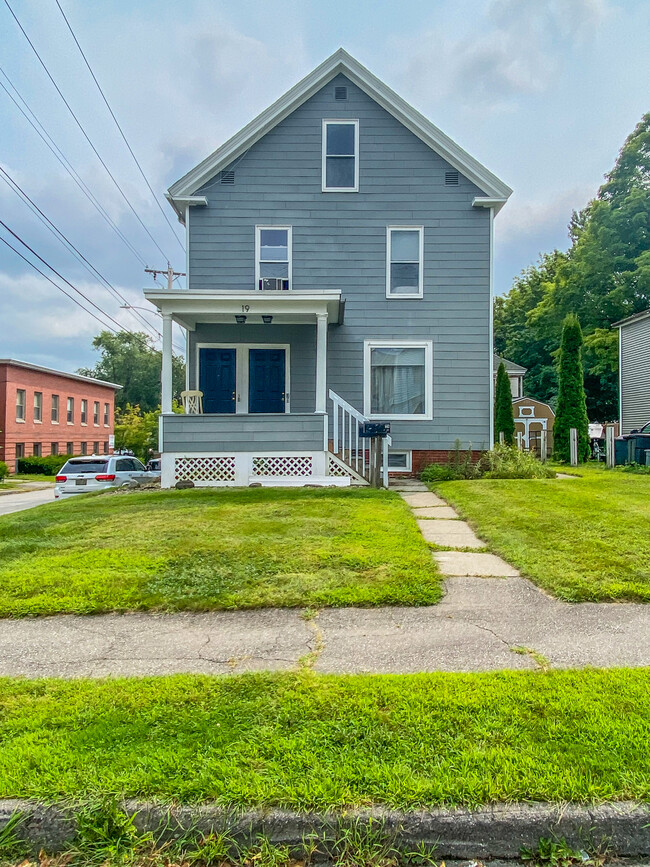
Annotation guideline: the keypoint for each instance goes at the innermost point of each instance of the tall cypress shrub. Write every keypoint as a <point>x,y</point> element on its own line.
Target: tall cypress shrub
<point>503,418</point>
<point>571,402</point>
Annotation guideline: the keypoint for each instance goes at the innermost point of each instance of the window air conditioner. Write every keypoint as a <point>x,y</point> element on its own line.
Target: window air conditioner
<point>275,283</point>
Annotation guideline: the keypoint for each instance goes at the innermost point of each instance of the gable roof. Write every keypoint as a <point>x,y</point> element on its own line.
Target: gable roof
<point>12,362</point>
<point>510,366</point>
<point>630,319</point>
<point>496,191</point>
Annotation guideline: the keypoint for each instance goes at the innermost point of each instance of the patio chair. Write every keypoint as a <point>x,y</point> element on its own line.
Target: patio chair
<point>192,402</point>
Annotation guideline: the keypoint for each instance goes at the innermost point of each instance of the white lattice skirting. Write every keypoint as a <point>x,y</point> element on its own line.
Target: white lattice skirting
<point>244,468</point>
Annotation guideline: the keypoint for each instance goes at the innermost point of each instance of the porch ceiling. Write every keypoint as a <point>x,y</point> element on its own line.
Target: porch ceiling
<point>293,307</point>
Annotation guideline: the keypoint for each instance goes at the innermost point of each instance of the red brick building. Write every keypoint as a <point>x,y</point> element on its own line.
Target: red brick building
<point>47,412</point>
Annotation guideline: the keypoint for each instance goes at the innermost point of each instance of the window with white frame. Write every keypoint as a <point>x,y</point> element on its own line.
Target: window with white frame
<point>399,462</point>
<point>20,404</point>
<point>404,261</point>
<point>340,156</point>
<point>273,257</point>
<point>107,414</point>
<point>70,410</point>
<point>54,414</point>
<point>84,411</point>
<point>398,379</point>
<point>96,413</point>
<point>38,406</point>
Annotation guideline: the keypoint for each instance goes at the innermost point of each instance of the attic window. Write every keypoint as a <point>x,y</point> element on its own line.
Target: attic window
<point>228,177</point>
<point>451,179</point>
<point>340,93</point>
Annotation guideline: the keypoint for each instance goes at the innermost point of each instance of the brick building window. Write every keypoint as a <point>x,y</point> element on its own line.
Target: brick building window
<point>55,409</point>
<point>54,448</point>
<point>96,448</point>
<point>96,412</point>
<point>20,450</point>
<point>38,406</point>
<point>106,448</point>
<point>69,448</point>
<point>37,450</point>
<point>107,414</point>
<point>20,405</point>
<point>70,413</point>
<point>84,448</point>
<point>84,412</point>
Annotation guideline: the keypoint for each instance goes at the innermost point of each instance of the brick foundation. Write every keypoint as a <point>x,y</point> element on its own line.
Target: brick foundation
<point>422,458</point>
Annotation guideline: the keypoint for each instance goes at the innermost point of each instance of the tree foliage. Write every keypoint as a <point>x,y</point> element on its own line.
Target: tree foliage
<point>571,402</point>
<point>132,361</point>
<point>603,277</point>
<point>503,418</point>
<point>136,431</point>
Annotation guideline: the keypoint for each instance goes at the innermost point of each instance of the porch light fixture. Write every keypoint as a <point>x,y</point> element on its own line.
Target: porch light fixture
<point>267,320</point>
<point>240,319</point>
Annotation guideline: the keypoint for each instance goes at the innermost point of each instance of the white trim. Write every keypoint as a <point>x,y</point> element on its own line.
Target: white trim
<point>427,345</point>
<point>344,122</point>
<point>242,374</point>
<point>258,250</point>
<point>420,231</point>
<point>491,329</point>
<point>321,362</point>
<point>337,63</point>
<point>409,461</point>
<point>620,380</point>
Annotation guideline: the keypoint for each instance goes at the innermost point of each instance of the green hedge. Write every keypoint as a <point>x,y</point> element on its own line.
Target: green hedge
<point>44,466</point>
<point>4,471</point>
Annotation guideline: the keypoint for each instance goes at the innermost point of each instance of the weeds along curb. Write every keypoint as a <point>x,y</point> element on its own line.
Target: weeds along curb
<point>499,831</point>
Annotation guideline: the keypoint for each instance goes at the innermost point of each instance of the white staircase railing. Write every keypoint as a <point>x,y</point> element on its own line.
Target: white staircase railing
<point>358,453</point>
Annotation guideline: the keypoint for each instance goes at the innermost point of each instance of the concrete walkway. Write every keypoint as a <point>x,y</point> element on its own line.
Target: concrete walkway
<point>483,623</point>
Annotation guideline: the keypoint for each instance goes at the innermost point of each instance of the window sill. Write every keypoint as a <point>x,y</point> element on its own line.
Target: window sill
<point>20,421</point>
<point>53,422</point>
<point>340,190</point>
<point>392,297</point>
<point>38,421</point>
<point>385,417</point>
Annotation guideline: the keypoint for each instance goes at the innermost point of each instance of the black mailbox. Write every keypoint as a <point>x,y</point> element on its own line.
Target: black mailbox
<point>374,429</point>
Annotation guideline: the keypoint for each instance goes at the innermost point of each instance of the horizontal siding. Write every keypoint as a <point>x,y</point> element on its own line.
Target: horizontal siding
<point>635,375</point>
<point>243,433</point>
<point>339,242</point>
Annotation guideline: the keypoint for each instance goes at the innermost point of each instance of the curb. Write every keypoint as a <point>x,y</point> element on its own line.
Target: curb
<point>497,831</point>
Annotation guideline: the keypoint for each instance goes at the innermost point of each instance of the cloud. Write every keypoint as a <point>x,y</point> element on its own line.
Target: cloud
<point>515,50</point>
<point>525,218</point>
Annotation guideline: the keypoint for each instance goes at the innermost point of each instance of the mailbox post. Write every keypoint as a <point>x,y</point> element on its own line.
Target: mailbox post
<point>375,432</point>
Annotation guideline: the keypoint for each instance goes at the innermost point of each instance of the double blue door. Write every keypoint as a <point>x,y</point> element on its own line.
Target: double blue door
<point>266,380</point>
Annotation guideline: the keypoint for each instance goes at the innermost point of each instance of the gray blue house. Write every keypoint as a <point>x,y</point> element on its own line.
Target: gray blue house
<point>339,270</point>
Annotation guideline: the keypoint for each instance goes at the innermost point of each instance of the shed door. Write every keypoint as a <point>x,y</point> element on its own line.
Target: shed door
<point>217,378</point>
<point>266,380</point>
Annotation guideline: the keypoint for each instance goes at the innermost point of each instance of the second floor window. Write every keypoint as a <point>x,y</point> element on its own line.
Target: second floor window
<point>340,156</point>
<point>107,413</point>
<point>84,412</point>
<point>96,412</point>
<point>70,412</point>
<point>20,404</point>
<point>273,265</point>
<point>55,408</point>
<point>404,253</point>
<point>38,406</point>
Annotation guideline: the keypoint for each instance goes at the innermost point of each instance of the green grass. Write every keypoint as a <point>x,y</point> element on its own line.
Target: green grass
<point>308,741</point>
<point>33,477</point>
<point>583,539</point>
<point>206,549</point>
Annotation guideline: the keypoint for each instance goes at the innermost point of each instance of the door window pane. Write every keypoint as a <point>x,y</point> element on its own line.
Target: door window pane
<point>397,380</point>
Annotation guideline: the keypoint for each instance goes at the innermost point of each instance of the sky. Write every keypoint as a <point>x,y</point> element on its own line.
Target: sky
<point>542,92</point>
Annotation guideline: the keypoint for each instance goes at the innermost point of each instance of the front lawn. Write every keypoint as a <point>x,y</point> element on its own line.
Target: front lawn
<point>584,539</point>
<point>205,549</point>
<point>315,742</point>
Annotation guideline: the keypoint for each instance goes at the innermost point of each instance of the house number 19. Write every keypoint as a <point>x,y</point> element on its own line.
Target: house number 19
<point>245,308</point>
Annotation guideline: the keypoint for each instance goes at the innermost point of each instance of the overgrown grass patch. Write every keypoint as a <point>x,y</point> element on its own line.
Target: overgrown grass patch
<point>310,741</point>
<point>214,549</point>
<point>583,539</point>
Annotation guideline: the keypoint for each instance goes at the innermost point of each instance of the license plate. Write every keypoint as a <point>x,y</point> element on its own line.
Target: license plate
<point>80,481</point>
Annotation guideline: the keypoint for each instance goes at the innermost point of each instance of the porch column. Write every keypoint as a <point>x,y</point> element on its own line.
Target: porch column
<point>321,362</point>
<point>166,401</point>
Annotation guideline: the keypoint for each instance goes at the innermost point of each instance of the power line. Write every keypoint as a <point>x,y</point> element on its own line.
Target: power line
<point>83,131</point>
<point>60,156</point>
<point>61,277</point>
<point>67,243</point>
<point>121,131</point>
<point>67,294</point>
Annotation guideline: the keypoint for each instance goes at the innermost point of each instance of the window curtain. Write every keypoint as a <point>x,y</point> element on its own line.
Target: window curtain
<point>397,377</point>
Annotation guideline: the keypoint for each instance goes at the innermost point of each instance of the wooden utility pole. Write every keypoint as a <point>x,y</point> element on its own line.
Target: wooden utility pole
<point>169,273</point>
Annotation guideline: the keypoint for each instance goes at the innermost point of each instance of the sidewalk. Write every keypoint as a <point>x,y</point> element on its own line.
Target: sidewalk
<point>490,618</point>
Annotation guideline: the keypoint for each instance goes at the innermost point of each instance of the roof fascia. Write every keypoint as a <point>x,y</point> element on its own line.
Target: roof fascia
<point>496,191</point>
<point>79,377</point>
<point>630,319</point>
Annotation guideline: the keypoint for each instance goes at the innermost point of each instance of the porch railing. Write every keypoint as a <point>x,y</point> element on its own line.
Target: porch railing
<point>358,453</point>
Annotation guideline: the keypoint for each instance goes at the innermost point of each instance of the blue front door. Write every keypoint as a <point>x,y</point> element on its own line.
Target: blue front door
<point>266,380</point>
<point>217,378</point>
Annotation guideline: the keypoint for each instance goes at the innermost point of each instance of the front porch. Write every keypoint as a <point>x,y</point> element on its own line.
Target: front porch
<point>259,360</point>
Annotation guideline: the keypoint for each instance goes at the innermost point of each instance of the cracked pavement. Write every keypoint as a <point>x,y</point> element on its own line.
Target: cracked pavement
<point>477,627</point>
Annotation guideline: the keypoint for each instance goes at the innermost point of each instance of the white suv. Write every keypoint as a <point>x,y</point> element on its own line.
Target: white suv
<point>95,473</point>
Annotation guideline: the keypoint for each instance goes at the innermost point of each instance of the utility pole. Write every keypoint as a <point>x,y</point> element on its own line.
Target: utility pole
<point>169,273</point>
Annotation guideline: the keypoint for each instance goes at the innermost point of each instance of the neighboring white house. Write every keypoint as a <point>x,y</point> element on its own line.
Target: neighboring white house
<point>634,371</point>
<point>515,373</point>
